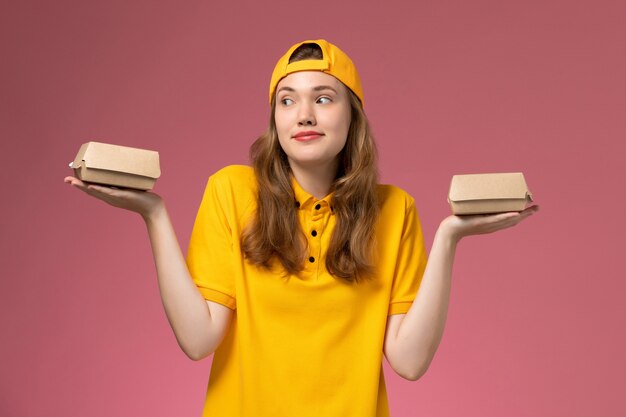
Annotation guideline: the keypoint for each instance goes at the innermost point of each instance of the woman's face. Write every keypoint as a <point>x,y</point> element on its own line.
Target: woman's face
<point>312,118</point>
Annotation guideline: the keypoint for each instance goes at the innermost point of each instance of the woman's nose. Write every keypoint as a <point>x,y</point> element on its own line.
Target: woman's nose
<point>306,116</point>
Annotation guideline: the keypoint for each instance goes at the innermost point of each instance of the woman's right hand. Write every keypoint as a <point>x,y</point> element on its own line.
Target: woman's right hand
<point>143,202</point>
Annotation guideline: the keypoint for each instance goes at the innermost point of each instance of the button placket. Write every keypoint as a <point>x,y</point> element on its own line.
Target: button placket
<point>314,244</point>
<point>319,218</point>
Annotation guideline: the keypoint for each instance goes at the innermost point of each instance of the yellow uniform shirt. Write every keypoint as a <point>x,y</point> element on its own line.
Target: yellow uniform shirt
<point>309,345</point>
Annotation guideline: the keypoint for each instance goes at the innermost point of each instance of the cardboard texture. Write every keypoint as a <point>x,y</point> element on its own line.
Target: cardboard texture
<point>488,193</point>
<point>118,166</point>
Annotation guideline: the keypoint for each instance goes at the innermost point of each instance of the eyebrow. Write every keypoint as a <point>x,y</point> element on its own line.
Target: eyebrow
<point>316,88</point>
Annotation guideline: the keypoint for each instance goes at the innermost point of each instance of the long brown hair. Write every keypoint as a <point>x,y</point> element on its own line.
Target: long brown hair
<point>275,231</point>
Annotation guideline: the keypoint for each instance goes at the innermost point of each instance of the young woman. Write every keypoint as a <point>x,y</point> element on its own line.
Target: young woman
<point>302,270</point>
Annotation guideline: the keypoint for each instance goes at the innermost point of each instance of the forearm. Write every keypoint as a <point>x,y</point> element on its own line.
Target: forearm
<point>186,310</point>
<point>422,327</point>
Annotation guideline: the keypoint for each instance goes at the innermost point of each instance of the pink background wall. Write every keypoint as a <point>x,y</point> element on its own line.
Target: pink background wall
<point>536,322</point>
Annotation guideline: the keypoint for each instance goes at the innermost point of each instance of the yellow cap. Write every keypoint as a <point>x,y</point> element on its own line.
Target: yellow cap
<point>334,62</point>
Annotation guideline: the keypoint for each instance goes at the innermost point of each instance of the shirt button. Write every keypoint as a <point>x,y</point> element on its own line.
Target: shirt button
<point>311,259</point>
<point>313,233</point>
<point>318,206</point>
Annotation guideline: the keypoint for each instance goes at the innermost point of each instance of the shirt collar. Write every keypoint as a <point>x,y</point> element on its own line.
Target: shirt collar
<point>304,199</point>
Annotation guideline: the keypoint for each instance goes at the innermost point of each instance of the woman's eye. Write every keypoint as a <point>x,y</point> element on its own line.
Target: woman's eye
<point>323,100</point>
<point>287,101</point>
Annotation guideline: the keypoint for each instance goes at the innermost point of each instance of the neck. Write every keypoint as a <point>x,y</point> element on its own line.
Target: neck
<point>315,180</point>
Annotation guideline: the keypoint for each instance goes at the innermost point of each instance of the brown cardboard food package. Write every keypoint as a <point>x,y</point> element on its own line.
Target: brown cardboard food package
<point>118,166</point>
<point>488,193</point>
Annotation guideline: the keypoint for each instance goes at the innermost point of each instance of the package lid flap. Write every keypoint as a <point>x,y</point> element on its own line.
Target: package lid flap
<point>118,158</point>
<point>489,186</point>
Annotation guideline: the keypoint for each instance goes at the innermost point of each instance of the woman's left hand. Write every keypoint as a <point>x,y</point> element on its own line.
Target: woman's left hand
<point>460,226</point>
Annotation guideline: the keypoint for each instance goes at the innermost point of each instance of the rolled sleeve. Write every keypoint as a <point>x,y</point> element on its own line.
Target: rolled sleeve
<point>210,256</point>
<point>410,262</point>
